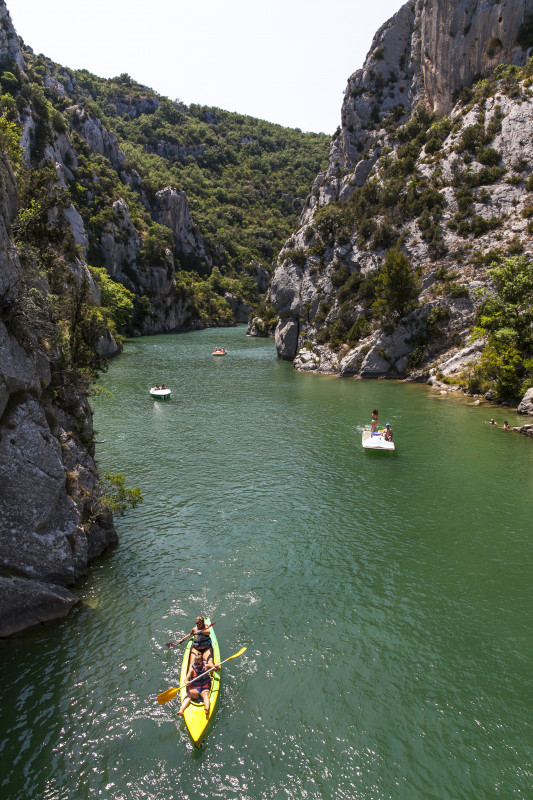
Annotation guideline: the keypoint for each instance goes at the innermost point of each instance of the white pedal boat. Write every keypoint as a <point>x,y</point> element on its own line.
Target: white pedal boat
<point>376,441</point>
<point>160,394</point>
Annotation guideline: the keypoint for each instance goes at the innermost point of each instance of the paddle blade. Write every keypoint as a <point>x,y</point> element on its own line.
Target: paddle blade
<point>236,654</point>
<point>164,697</point>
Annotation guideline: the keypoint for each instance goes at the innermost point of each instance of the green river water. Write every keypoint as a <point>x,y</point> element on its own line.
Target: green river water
<point>385,599</point>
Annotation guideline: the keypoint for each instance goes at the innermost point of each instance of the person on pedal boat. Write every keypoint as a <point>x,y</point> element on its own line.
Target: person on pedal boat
<point>201,644</point>
<point>374,421</point>
<point>198,684</point>
<point>388,433</point>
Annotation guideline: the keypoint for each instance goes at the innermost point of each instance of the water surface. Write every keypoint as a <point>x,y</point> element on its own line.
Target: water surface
<point>385,600</point>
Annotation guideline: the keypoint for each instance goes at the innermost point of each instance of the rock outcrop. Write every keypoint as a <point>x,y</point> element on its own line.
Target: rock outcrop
<point>474,195</point>
<point>526,404</point>
<point>171,208</point>
<point>52,520</point>
<point>50,525</point>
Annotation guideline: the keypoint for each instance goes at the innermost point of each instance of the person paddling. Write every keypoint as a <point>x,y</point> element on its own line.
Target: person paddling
<point>201,644</point>
<point>198,684</point>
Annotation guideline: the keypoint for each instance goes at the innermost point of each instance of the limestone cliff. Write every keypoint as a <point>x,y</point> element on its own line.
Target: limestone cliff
<point>50,525</point>
<point>424,164</point>
<point>52,522</point>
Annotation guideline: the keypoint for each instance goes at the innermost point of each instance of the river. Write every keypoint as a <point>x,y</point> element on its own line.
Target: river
<point>385,599</point>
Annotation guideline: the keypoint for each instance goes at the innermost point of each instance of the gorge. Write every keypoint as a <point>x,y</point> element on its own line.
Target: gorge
<point>125,213</point>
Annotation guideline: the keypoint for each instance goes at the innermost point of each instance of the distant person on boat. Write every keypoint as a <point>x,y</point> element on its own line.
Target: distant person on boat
<point>157,388</point>
<point>374,421</point>
<point>198,690</point>
<point>163,386</point>
<point>506,426</point>
<point>388,433</point>
<point>201,644</point>
<point>493,422</point>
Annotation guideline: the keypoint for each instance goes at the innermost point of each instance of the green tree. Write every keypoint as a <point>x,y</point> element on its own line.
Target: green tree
<point>116,299</point>
<point>116,496</point>
<point>157,241</point>
<point>396,285</point>
<point>506,319</point>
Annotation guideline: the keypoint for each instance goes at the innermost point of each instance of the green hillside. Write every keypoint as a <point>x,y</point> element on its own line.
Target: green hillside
<point>245,179</point>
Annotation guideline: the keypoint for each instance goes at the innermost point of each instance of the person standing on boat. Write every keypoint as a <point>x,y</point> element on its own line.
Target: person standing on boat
<point>388,433</point>
<point>374,421</point>
<point>201,644</point>
<point>199,684</point>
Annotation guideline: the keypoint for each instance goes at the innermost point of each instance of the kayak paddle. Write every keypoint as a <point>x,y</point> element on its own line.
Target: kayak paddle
<point>164,697</point>
<point>171,644</point>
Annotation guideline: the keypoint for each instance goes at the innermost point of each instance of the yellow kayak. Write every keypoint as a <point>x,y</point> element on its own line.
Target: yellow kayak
<point>194,714</point>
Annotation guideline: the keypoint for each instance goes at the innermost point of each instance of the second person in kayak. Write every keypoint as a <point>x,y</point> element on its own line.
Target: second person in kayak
<point>198,684</point>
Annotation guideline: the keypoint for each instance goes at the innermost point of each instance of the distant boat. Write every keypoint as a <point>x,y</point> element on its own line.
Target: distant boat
<point>219,351</point>
<point>375,440</point>
<point>160,394</point>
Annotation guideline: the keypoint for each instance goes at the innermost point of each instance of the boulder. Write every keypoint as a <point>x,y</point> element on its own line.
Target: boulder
<point>25,603</point>
<point>526,404</point>
<point>286,338</point>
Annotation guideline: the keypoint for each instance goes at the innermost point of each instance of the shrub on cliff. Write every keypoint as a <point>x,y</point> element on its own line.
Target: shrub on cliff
<point>506,319</point>
<point>525,33</point>
<point>396,285</point>
<point>116,299</point>
<point>10,140</point>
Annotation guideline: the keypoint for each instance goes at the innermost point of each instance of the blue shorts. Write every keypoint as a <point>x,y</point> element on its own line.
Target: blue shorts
<point>199,689</point>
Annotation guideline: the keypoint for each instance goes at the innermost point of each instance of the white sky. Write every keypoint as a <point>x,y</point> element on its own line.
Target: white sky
<point>286,61</point>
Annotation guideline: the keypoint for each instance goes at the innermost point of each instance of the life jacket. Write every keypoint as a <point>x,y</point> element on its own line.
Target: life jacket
<point>201,641</point>
<point>202,683</point>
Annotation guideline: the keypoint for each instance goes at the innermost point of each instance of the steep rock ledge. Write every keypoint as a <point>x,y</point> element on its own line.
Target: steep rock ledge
<point>52,522</point>
<point>418,64</point>
<point>50,525</point>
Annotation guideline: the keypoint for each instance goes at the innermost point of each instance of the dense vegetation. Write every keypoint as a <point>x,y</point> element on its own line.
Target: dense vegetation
<point>402,201</point>
<point>245,181</point>
<point>245,178</point>
<point>505,318</point>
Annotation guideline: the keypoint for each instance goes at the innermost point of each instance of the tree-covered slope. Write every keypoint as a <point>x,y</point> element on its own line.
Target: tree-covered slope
<point>245,179</point>
<point>414,255</point>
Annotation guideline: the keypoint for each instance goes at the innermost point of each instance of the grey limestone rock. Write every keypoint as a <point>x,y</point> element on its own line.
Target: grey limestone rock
<point>425,54</point>
<point>241,310</point>
<point>286,338</point>
<point>97,136</point>
<point>9,42</point>
<point>25,603</point>
<point>172,209</point>
<point>526,404</point>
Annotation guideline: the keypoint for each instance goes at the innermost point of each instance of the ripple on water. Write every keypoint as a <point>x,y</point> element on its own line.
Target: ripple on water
<point>385,603</point>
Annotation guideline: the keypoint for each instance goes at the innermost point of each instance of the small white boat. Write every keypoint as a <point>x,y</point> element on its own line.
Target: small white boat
<point>160,394</point>
<point>376,441</point>
<point>219,351</point>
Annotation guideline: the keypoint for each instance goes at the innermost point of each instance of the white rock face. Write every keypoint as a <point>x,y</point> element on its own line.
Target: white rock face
<point>119,243</point>
<point>286,338</point>
<point>460,40</point>
<point>172,210</point>
<point>425,54</point>
<point>526,404</point>
<point>9,43</point>
<point>99,138</point>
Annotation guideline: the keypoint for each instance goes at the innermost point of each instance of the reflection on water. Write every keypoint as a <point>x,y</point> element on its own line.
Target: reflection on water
<point>384,598</point>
